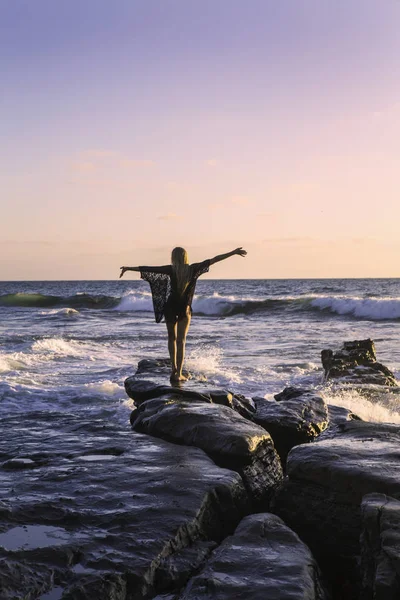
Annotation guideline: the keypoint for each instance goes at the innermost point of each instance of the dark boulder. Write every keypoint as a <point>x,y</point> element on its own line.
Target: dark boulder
<point>380,545</point>
<point>339,414</point>
<point>326,481</point>
<point>262,559</point>
<point>355,363</point>
<point>17,578</point>
<point>109,514</point>
<point>141,390</point>
<point>296,416</point>
<point>230,440</point>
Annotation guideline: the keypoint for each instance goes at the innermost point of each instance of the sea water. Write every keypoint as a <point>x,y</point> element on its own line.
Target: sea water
<point>69,345</point>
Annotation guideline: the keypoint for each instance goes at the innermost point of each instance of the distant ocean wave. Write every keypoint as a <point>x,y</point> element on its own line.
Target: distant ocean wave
<point>375,309</point>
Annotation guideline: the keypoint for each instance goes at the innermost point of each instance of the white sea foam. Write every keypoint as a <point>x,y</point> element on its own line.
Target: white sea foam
<point>215,304</point>
<point>206,305</point>
<point>58,346</point>
<point>135,301</point>
<point>207,360</point>
<point>19,361</point>
<point>368,410</point>
<point>376,309</point>
<point>69,312</point>
<point>105,388</point>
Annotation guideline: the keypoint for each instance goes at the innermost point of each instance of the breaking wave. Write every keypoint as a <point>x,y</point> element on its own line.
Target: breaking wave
<point>371,308</point>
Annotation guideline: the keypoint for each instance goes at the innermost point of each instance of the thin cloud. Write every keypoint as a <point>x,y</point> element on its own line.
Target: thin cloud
<point>98,153</point>
<point>85,167</point>
<point>240,200</point>
<point>212,162</point>
<point>136,162</point>
<point>169,217</point>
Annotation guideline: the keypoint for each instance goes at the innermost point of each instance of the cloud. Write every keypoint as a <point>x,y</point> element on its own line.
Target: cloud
<point>136,162</point>
<point>89,161</point>
<point>169,217</point>
<point>96,153</point>
<point>215,205</point>
<point>27,243</point>
<point>240,200</point>
<point>212,162</point>
<point>85,167</point>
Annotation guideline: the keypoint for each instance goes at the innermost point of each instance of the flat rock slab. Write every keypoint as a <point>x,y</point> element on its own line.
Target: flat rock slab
<point>296,416</point>
<point>263,559</point>
<point>355,363</point>
<point>327,480</point>
<point>230,440</point>
<point>141,390</point>
<point>159,367</point>
<point>380,543</point>
<point>102,509</point>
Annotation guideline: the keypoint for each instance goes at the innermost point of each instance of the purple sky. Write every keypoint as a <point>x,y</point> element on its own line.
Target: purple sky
<point>129,127</point>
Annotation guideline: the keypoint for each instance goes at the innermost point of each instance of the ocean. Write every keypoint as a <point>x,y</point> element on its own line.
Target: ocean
<point>68,345</point>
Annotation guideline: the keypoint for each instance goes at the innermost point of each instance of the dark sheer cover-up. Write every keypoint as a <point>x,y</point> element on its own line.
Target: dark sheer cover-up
<point>166,299</point>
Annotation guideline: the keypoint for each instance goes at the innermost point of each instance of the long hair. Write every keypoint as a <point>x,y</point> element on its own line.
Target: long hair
<point>181,268</point>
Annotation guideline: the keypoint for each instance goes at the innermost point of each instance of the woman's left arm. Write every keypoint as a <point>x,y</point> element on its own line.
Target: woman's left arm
<point>238,251</point>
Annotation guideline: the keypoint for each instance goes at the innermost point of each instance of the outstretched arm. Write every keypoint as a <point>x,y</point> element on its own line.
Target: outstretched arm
<point>124,269</point>
<point>238,251</point>
<point>164,269</point>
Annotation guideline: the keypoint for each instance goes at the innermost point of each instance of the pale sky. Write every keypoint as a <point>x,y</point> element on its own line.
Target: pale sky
<point>129,127</point>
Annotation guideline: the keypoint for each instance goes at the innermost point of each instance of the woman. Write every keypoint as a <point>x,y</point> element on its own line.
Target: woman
<point>172,287</point>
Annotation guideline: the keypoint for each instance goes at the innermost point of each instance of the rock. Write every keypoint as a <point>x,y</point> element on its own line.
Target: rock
<point>230,440</point>
<point>339,414</point>
<point>356,363</point>
<point>17,578</point>
<point>326,481</point>
<point>380,544</point>
<point>141,390</point>
<point>262,559</point>
<point>109,512</point>
<point>157,366</point>
<point>297,416</point>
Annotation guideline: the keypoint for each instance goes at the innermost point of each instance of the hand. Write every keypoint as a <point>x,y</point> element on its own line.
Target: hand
<point>123,269</point>
<point>240,251</point>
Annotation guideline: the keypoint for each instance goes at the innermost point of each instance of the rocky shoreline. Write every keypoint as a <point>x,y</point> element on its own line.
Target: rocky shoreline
<point>210,496</point>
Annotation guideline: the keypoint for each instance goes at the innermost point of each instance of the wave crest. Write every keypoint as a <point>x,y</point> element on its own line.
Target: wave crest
<point>217,305</point>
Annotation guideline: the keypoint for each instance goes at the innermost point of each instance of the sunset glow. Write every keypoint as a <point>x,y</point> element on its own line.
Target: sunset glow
<point>132,127</point>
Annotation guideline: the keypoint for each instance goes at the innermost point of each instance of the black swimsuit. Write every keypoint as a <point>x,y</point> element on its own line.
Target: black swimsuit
<point>167,301</point>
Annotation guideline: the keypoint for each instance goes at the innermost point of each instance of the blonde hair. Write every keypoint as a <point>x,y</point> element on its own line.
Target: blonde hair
<point>181,268</point>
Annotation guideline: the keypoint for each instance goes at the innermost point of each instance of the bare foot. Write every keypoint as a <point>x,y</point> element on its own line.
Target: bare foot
<point>174,375</point>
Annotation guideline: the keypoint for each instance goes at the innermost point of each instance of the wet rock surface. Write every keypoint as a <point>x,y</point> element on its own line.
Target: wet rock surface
<point>338,415</point>
<point>326,481</point>
<point>380,545</point>
<point>230,440</point>
<point>159,367</point>
<point>104,509</point>
<point>90,509</point>
<point>355,363</point>
<point>262,559</point>
<point>296,416</point>
<point>141,390</point>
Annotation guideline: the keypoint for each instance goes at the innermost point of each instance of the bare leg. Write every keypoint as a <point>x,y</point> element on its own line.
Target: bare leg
<point>183,327</point>
<point>172,346</point>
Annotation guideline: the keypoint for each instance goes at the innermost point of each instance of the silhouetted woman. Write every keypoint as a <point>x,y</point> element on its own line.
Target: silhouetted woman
<point>172,288</point>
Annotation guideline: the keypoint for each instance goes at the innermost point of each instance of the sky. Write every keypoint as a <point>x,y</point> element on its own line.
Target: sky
<point>129,127</point>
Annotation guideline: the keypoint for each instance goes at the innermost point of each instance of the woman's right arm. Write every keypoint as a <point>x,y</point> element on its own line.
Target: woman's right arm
<point>124,269</point>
